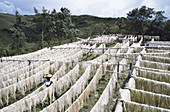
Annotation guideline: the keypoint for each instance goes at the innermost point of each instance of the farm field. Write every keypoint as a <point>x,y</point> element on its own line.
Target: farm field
<point>102,74</point>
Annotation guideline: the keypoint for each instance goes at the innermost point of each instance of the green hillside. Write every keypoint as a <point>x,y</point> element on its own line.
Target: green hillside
<point>81,23</point>
<point>62,27</point>
<point>6,20</point>
<point>85,20</point>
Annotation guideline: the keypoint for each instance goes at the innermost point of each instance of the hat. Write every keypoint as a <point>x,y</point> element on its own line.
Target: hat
<point>48,75</point>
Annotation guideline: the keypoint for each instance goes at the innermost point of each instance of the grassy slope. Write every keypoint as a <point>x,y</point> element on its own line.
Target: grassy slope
<point>84,22</point>
<point>6,20</point>
<point>81,21</point>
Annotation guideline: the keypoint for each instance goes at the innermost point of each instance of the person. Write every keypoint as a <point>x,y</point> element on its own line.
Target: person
<point>48,82</point>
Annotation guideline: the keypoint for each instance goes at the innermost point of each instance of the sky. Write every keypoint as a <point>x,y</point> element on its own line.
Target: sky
<point>100,8</point>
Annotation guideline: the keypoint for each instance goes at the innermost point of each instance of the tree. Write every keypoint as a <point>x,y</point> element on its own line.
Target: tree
<point>17,33</point>
<point>157,24</point>
<point>139,19</point>
<point>98,28</point>
<point>166,31</point>
<point>54,25</point>
<point>146,21</point>
<point>66,27</point>
<point>42,24</point>
<point>112,29</point>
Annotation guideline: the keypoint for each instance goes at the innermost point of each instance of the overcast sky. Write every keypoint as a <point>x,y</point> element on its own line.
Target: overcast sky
<point>101,8</point>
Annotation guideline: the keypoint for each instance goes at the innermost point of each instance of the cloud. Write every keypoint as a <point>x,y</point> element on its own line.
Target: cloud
<point>102,8</point>
<point>7,7</point>
<point>159,5</point>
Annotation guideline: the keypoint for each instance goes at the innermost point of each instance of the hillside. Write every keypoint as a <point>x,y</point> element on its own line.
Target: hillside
<point>82,23</point>
<point>7,20</point>
<point>84,26</point>
<point>84,20</point>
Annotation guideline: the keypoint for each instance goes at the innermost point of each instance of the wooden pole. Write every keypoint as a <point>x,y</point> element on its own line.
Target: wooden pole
<point>130,70</point>
<point>118,71</point>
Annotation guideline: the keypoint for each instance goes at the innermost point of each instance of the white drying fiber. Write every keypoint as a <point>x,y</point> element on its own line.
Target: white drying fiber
<point>28,102</point>
<point>13,74</point>
<point>157,51</point>
<point>78,104</point>
<point>121,67</point>
<point>1,103</point>
<point>125,94</point>
<point>131,83</point>
<point>21,86</point>
<point>157,100</point>
<point>57,74</point>
<point>13,90</point>
<point>67,79</point>
<point>158,54</point>
<point>155,70</point>
<point>106,95</point>
<point>105,68</point>
<point>157,65</point>
<point>114,50</point>
<point>119,107</point>
<point>4,94</point>
<point>94,46</point>
<point>8,82</point>
<point>130,50</point>
<point>156,58</point>
<point>20,107</point>
<point>8,90</point>
<point>41,96</point>
<point>158,76</point>
<point>50,93</point>
<point>74,90</point>
<point>99,50</point>
<point>137,107</point>
<point>124,48</point>
<point>152,86</point>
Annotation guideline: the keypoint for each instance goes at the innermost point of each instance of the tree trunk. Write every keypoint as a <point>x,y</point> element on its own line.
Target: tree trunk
<point>42,39</point>
<point>17,46</point>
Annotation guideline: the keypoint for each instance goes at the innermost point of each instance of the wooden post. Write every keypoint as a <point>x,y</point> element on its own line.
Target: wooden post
<point>130,70</point>
<point>118,71</point>
<point>116,88</point>
<point>103,49</point>
<point>88,53</point>
<point>72,63</point>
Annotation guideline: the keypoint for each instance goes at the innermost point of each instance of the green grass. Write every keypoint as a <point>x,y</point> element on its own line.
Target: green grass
<point>82,21</point>
<point>6,20</point>
<point>111,44</point>
<point>89,57</point>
